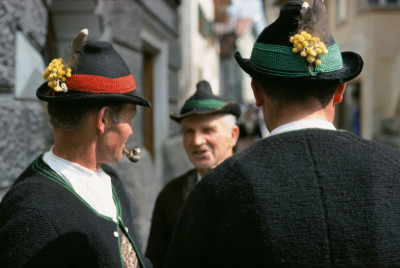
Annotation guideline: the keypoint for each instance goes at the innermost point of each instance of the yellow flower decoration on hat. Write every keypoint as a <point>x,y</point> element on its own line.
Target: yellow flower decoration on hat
<point>309,47</point>
<point>56,75</point>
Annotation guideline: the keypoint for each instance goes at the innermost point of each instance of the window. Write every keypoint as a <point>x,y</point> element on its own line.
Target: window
<point>205,25</point>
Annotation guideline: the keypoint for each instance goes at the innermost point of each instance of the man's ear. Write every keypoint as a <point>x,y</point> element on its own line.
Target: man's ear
<point>235,135</point>
<point>103,118</point>
<point>258,92</point>
<point>338,95</point>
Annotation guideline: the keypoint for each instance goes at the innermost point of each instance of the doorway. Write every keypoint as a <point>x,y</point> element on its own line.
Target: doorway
<point>148,77</point>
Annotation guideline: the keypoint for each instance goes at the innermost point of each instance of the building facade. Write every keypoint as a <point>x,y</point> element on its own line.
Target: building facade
<point>370,28</point>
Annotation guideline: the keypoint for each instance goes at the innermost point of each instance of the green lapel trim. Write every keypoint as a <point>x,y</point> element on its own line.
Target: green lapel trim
<point>47,172</point>
<point>121,222</point>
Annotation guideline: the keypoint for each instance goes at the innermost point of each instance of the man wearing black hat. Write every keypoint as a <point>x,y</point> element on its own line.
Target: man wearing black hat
<point>209,134</point>
<point>308,195</point>
<point>67,209</point>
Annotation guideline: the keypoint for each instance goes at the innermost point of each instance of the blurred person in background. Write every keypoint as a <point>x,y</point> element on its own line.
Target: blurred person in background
<point>308,195</point>
<point>249,126</point>
<point>209,135</point>
<point>67,209</point>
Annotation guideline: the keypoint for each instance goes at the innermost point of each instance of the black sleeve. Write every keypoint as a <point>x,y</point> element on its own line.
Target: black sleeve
<point>192,233</point>
<point>28,239</point>
<point>159,237</point>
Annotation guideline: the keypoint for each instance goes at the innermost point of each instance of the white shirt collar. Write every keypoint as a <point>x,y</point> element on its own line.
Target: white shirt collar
<point>303,124</point>
<point>94,187</point>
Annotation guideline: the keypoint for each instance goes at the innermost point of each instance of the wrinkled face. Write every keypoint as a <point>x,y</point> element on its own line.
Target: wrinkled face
<point>116,134</point>
<point>208,140</point>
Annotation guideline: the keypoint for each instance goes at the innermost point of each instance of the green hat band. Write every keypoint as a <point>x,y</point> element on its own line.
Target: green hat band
<point>281,61</point>
<point>202,104</point>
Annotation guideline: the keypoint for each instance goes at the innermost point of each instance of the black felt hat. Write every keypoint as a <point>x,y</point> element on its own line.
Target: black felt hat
<point>273,55</point>
<point>203,101</point>
<point>97,73</point>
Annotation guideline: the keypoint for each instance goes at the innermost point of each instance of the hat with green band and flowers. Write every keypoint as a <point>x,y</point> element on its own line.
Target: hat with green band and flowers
<point>297,46</point>
<point>203,101</point>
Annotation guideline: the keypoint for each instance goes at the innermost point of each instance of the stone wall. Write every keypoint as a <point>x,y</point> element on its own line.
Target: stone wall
<point>24,130</point>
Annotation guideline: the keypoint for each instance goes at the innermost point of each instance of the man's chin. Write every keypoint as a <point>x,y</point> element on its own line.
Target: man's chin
<point>202,165</point>
<point>115,159</point>
<point>119,157</point>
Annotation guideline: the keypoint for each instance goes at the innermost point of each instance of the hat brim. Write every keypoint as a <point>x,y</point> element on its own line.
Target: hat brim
<point>77,96</point>
<point>352,67</point>
<point>229,108</point>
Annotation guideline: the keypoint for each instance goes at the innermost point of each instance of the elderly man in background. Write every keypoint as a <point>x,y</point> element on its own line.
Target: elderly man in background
<point>209,135</point>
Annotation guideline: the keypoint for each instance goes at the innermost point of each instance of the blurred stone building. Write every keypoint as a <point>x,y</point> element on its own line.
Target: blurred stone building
<point>371,29</point>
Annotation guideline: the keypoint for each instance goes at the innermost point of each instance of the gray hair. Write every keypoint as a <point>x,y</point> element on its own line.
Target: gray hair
<point>230,120</point>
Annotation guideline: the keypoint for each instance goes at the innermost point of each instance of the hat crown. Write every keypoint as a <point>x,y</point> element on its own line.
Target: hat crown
<point>279,31</point>
<point>93,46</point>
<point>286,25</point>
<point>100,58</point>
<point>203,92</point>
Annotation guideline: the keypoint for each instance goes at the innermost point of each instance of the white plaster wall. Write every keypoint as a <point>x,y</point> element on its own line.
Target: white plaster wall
<point>245,45</point>
<point>200,58</point>
<point>394,101</point>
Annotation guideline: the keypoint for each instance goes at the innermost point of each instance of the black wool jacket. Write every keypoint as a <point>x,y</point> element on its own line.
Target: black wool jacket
<point>307,198</point>
<point>165,214</point>
<point>44,223</point>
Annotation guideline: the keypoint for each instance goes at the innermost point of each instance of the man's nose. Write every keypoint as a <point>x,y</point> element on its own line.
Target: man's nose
<point>198,138</point>
<point>130,130</point>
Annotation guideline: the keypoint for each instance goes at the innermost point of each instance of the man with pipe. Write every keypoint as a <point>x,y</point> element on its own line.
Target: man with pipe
<point>67,209</point>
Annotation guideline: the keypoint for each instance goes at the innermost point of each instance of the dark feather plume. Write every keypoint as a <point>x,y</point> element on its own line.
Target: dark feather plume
<point>71,57</point>
<point>313,18</point>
